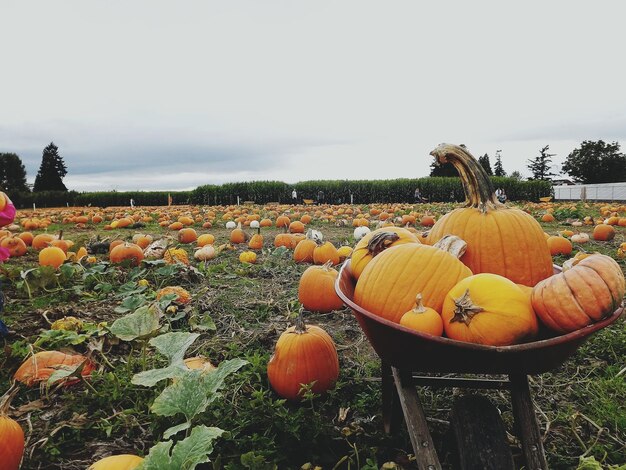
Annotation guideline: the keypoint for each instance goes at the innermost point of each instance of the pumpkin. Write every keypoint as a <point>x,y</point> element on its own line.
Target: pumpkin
<point>182,295</point>
<point>175,255</point>
<point>199,363</point>
<point>52,256</point>
<point>284,239</point>
<point>68,324</point>
<point>547,218</point>
<point>40,366</point>
<point>248,257</point>
<point>187,235</point>
<point>603,232</point>
<point>500,240</point>
<point>316,290</point>
<point>324,253</point>
<point>41,241</point>
<point>580,238</point>
<point>488,309</point>
<point>360,232</point>
<point>126,251</point>
<point>15,245</point>
<point>205,239</point>
<point>117,462</point>
<point>26,237</point>
<point>11,433</point>
<point>423,319</point>
<point>621,251</point>
<point>427,221</point>
<point>559,245</point>
<point>303,253</point>
<point>590,290</point>
<point>375,242</point>
<point>388,284</point>
<point>303,355</point>
<point>256,242</point>
<point>296,227</point>
<point>205,253</point>
<point>344,252</point>
<point>238,235</point>
<point>282,221</point>
<point>3,201</point>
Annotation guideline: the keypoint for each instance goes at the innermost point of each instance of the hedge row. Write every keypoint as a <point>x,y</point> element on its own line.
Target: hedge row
<point>434,189</point>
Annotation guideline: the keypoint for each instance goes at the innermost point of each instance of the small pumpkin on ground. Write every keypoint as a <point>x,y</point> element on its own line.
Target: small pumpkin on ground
<point>117,462</point>
<point>587,292</point>
<point>175,255</point>
<point>488,309</point>
<point>316,290</point>
<point>182,295</point>
<point>52,256</point>
<point>11,433</point>
<point>40,366</point>
<point>559,245</point>
<point>126,251</point>
<point>423,319</point>
<point>603,232</point>
<point>304,355</point>
<point>248,257</point>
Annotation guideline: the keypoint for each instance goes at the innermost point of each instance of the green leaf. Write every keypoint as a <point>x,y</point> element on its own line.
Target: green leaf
<point>194,391</point>
<point>140,324</point>
<point>173,346</point>
<point>176,429</point>
<point>131,303</point>
<point>202,322</point>
<point>186,455</point>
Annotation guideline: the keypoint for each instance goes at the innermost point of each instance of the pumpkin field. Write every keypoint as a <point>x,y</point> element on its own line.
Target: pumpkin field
<point>150,333</point>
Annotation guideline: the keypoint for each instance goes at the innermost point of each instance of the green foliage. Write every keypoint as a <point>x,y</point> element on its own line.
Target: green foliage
<point>12,174</point>
<point>51,172</point>
<point>498,169</point>
<point>141,324</point>
<point>540,165</point>
<point>486,164</point>
<point>596,162</point>
<point>141,198</point>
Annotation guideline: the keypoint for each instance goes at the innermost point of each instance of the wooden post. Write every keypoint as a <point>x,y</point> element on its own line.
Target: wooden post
<point>425,453</point>
<point>392,415</point>
<point>524,412</point>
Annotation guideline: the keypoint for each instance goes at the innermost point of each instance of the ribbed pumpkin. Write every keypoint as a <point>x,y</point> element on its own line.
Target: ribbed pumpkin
<point>316,290</point>
<point>182,295</point>
<point>256,241</point>
<point>40,366</point>
<point>304,354</point>
<point>303,253</point>
<point>500,240</point>
<point>117,462</point>
<point>11,434</point>
<point>175,255</point>
<point>423,319</point>
<point>324,253</point>
<point>389,283</point>
<point>15,245</point>
<point>127,251</point>
<point>488,309</point>
<point>585,293</point>
<point>375,242</point>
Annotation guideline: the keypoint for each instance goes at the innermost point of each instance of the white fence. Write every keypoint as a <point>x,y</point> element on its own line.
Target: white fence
<point>591,192</point>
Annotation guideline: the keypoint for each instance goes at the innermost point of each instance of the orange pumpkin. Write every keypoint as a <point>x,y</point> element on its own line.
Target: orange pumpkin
<point>40,366</point>
<point>284,239</point>
<point>303,253</point>
<point>52,256</point>
<point>15,245</point>
<point>488,309</point>
<point>423,319</point>
<point>187,235</point>
<point>42,241</point>
<point>11,433</point>
<point>559,245</point>
<point>316,290</point>
<point>126,251</point>
<point>375,242</point>
<point>500,240</point>
<point>304,354</point>
<point>182,295</point>
<point>283,221</point>
<point>205,239</point>
<point>324,253</point>
<point>117,462</point>
<point>603,232</point>
<point>296,227</point>
<point>256,242</point>
<point>388,283</point>
<point>587,292</point>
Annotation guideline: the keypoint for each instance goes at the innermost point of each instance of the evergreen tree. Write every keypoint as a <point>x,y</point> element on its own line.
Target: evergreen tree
<point>498,168</point>
<point>446,169</point>
<point>540,166</point>
<point>51,172</point>
<point>12,174</point>
<point>516,175</point>
<point>596,162</point>
<point>484,161</point>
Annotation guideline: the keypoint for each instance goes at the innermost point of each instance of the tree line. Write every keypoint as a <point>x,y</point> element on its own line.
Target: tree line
<point>49,177</point>
<point>594,162</point>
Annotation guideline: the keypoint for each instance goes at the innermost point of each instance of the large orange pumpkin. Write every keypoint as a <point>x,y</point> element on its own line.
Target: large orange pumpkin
<point>488,309</point>
<point>500,240</point>
<point>40,366</point>
<point>389,283</point>
<point>52,256</point>
<point>304,354</point>
<point>11,434</point>
<point>587,292</point>
<point>316,290</point>
<point>375,242</point>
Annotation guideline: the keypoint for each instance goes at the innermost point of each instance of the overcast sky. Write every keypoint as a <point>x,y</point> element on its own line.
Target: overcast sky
<point>169,95</point>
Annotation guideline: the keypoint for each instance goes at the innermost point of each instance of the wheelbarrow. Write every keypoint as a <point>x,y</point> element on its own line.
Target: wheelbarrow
<point>480,435</point>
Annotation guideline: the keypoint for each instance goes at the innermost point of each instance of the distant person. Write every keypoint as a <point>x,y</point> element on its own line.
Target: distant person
<point>501,195</point>
<point>132,203</point>
<point>7,216</point>
<point>418,196</point>
<point>320,197</point>
<point>294,196</point>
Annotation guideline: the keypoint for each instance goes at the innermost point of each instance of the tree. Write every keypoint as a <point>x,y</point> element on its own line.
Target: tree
<point>51,172</point>
<point>484,161</point>
<point>516,175</point>
<point>12,174</point>
<point>498,168</point>
<point>540,166</point>
<point>596,162</point>
<point>445,169</point>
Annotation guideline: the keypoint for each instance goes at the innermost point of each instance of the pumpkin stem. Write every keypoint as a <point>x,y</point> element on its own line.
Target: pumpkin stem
<point>419,305</point>
<point>327,265</point>
<point>464,309</point>
<point>453,245</point>
<point>5,400</point>
<point>60,235</point>
<point>299,324</point>
<point>476,183</point>
<point>380,241</point>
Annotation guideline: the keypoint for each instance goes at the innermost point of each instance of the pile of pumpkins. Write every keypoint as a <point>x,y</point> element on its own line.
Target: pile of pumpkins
<point>483,274</point>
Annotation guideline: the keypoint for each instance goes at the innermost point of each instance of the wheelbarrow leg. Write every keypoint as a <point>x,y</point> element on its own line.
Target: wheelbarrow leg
<point>425,454</point>
<point>524,412</point>
<point>392,413</point>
